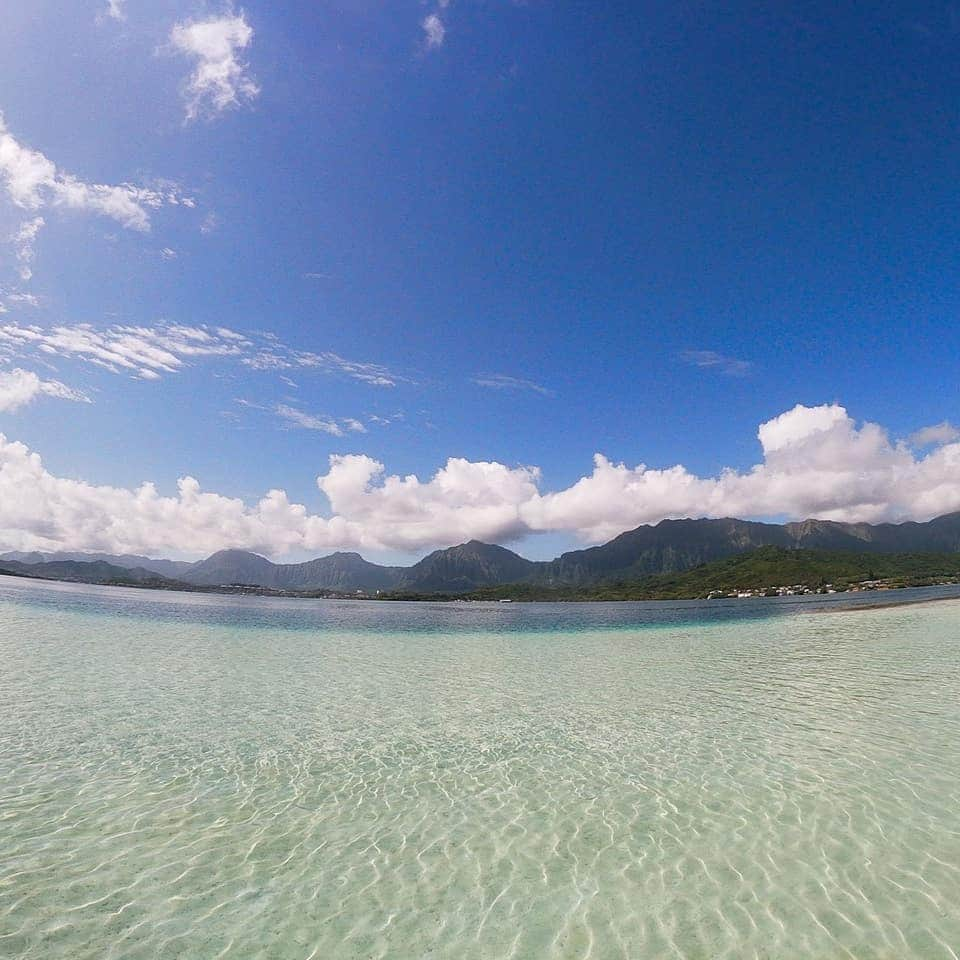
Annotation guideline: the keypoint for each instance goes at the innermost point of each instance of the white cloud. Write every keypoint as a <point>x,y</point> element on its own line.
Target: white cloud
<point>463,500</point>
<point>229,334</point>
<point>23,243</point>
<point>308,421</point>
<point>373,373</point>
<point>799,424</point>
<point>146,352</point>
<point>39,510</point>
<point>150,351</point>
<point>220,79</point>
<point>386,421</point>
<point>116,10</point>
<point>434,31</point>
<point>274,356</point>
<point>20,387</point>
<point>23,299</point>
<point>940,433</point>
<point>816,462</point>
<point>731,366</point>
<point>168,253</point>
<point>32,182</point>
<point>499,381</point>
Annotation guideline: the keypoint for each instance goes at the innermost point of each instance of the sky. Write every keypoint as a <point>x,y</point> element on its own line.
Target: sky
<point>386,277</point>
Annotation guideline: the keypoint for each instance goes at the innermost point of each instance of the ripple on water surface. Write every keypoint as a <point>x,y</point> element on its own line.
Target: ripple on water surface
<point>175,786</point>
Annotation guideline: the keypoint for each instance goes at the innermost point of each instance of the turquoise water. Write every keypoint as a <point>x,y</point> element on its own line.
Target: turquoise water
<point>201,777</point>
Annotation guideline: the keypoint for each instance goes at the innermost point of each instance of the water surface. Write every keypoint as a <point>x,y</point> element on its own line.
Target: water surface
<point>199,777</point>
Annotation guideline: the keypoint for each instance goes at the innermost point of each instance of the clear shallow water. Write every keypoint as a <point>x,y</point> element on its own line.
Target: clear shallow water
<point>197,777</point>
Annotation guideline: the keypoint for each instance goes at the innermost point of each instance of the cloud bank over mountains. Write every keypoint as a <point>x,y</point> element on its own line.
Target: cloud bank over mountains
<point>817,462</point>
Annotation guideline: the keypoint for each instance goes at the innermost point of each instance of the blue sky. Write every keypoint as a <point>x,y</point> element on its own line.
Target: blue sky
<point>509,234</point>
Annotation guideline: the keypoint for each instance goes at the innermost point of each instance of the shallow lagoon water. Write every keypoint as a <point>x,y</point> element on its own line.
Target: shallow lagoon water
<point>199,777</point>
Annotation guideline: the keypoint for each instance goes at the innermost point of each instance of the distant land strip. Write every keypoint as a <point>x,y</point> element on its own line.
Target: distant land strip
<point>762,572</point>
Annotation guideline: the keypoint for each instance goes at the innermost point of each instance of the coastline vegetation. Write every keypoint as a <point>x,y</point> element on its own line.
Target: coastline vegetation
<point>766,571</point>
<point>762,571</point>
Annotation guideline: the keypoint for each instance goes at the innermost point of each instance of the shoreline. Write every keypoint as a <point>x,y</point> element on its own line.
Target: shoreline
<point>816,603</point>
<point>887,604</point>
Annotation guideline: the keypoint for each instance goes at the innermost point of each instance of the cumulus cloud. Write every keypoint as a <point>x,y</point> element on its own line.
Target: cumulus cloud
<point>939,433</point>
<point>799,424</point>
<point>500,381</point>
<point>817,461</point>
<point>39,510</point>
<point>220,79</point>
<point>116,10</point>
<point>31,181</point>
<point>20,387</point>
<point>434,31</point>
<point>730,366</point>
<point>463,500</point>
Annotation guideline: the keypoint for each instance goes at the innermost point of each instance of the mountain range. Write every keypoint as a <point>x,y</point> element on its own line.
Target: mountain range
<point>172,569</point>
<point>667,547</point>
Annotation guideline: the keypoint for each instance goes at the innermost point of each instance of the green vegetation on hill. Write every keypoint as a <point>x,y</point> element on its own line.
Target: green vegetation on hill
<point>766,568</point>
<point>96,571</point>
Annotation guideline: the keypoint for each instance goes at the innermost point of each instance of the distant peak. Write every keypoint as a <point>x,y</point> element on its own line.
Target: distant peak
<point>233,553</point>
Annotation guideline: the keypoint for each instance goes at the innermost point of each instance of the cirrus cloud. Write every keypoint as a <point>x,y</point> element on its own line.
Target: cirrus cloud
<point>309,421</point>
<point>710,359</point>
<point>501,381</point>
<point>144,352</point>
<point>150,352</point>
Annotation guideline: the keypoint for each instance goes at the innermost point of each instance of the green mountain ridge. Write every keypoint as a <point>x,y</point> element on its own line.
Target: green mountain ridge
<point>671,546</point>
<point>763,569</point>
<point>86,571</point>
<point>165,568</point>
